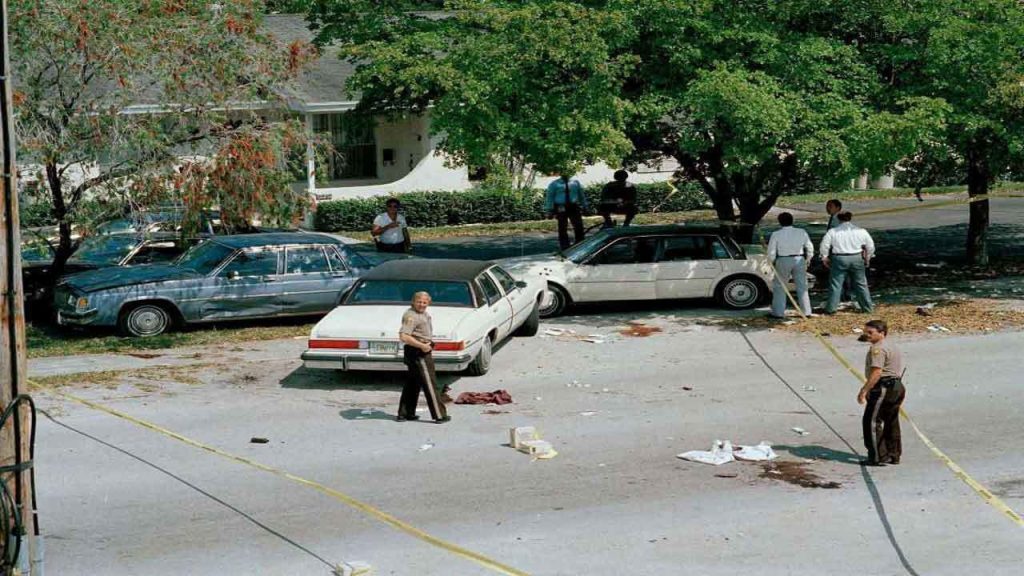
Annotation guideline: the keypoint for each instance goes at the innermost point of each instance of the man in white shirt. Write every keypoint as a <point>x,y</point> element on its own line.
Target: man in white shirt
<point>789,250</point>
<point>846,250</point>
<point>390,230</point>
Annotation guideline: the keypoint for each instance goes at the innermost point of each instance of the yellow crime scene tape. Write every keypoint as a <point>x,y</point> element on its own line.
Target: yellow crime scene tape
<point>957,470</point>
<point>367,509</point>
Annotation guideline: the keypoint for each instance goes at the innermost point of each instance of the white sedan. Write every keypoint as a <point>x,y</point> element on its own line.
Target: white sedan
<point>651,263</point>
<point>475,305</point>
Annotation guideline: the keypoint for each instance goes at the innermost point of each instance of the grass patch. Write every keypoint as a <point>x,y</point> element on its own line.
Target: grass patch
<point>846,195</point>
<point>46,341</point>
<point>961,316</point>
<point>141,378</point>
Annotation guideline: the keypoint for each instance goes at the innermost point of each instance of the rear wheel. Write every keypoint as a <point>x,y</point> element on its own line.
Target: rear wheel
<point>740,292</point>
<point>532,324</point>
<point>145,320</point>
<point>482,363</point>
<point>553,301</point>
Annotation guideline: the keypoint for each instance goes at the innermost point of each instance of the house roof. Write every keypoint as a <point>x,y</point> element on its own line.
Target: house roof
<point>322,84</point>
<point>429,269</point>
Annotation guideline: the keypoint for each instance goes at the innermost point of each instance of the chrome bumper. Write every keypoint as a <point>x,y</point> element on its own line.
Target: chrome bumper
<point>68,318</point>
<point>331,360</point>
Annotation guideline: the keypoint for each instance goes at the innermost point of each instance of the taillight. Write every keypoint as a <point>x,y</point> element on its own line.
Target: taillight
<point>335,344</point>
<point>449,346</point>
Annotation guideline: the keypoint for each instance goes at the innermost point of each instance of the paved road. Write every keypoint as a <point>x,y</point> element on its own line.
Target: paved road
<point>615,501</point>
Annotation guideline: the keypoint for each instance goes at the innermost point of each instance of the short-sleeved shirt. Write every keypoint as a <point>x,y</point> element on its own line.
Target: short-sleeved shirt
<point>418,325</point>
<point>885,356</point>
<point>394,235</point>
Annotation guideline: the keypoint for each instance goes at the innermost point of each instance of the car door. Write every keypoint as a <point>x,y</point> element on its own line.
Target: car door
<point>154,252</point>
<point>687,266</point>
<point>520,301</point>
<point>248,286</point>
<point>499,308</point>
<point>622,270</point>
<point>308,285</point>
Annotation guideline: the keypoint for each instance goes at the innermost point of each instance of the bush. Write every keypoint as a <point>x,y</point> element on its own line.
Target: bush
<point>486,205</point>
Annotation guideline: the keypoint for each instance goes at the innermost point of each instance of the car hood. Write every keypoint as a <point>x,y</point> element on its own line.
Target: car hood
<point>375,322</point>
<point>116,277</point>
<point>538,265</point>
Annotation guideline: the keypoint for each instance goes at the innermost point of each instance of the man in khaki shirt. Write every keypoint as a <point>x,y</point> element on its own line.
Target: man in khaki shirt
<point>417,334</point>
<point>882,396</point>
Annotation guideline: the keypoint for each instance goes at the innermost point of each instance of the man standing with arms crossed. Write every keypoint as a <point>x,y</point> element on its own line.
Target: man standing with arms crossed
<point>882,396</point>
<point>789,251</point>
<point>417,334</point>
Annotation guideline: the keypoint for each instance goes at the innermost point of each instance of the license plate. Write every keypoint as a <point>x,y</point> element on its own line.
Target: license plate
<point>383,347</point>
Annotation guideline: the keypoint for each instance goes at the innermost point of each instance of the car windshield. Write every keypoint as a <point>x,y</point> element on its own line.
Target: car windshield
<point>579,251</point>
<point>204,258</point>
<point>105,250</point>
<point>442,293</point>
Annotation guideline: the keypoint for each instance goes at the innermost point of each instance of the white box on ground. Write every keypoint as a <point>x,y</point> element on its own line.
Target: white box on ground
<point>536,447</point>
<point>520,434</point>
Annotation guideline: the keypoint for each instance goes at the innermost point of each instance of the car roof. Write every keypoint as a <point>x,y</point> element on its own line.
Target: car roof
<point>681,228</point>
<point>273,238</point>
<point>428,269</point>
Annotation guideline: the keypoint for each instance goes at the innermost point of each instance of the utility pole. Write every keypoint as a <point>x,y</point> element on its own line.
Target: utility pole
<point>15,435</point>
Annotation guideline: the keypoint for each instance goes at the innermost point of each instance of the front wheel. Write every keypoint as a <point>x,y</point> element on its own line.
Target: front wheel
<point>145,320</point>
<point>553,301</point>
<point>740,292</point>
<point>482,363</point>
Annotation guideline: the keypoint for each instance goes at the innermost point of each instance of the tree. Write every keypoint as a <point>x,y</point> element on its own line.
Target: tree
<point>513,87</point>
<point>753,104</point>
<point>970,53</point>
<point>121,90</point>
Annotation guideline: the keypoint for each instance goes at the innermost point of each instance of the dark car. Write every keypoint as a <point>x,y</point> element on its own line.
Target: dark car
<point>224,278</point>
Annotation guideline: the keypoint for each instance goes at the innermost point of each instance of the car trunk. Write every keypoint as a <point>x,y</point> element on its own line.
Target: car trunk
<point>382,322</point>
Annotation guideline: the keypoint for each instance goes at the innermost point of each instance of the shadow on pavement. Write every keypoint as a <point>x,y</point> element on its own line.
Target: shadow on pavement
<point>821,453</point>
<point>365,414</point>
<point>306,379</point>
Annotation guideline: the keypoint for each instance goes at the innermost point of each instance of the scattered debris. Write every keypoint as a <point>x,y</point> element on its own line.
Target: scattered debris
<point>427,446</point>
<point>789,322</point>
<point>759,453</point>
<point>796,473</point>
<point>726,475</point>
<point>799,430</point>
<point>144,355</point>
<point>938,328</point>
<point>925,310</point>
<point>498,397</point>
<point>810,389</point>
<point>537,398</point>
<point>588,413</point>
<point>688,388</point>
<point>526,440</point>
<point>258,440</point>
<point>554,332</point>
<point>857,331</point>
<point>354,568</point>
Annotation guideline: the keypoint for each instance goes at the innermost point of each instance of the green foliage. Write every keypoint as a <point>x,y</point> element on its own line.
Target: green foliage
<point>483,206</point>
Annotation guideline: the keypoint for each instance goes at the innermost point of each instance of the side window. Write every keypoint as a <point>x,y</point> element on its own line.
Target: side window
<point>253,263</point>
<point>718,250</point>
<point>337,261</point>
<point>156,252</point>
<point>305,260</point>
<point>684,248</point>
<point>489,287</point>
<point>628,251</point>
<point>508,284</point>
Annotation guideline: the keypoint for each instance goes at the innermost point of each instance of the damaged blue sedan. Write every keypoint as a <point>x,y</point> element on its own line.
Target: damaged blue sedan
<point>224,278</point>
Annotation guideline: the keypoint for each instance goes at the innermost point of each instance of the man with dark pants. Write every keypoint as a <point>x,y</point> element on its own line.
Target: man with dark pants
<point>565,201</point>
<point>846,251</point>
<point>618,197</point>
<point>417,335</point>
<point>882,396</point>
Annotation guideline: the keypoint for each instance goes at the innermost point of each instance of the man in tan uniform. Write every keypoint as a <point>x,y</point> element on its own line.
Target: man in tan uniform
<point>882,395</point>
<point>417,334</point>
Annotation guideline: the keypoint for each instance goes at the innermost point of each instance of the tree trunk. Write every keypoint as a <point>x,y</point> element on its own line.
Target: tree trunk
<point>978,180</point>
<point>65,247</point>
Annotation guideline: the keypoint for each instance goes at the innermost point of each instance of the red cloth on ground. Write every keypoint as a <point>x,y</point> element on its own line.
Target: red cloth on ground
<point>496,397</point>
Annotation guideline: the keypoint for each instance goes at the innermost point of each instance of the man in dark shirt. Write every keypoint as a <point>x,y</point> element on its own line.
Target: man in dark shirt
<point>618,197</point>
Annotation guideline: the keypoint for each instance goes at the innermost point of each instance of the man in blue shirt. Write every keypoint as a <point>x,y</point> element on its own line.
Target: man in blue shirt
<point>565,201</point>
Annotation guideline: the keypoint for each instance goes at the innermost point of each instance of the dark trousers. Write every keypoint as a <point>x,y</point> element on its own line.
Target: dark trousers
<point>395,248</point>
<point>421,377</point>
<point>571,213</point>
<point>606,211</point>
<point>881,421</point>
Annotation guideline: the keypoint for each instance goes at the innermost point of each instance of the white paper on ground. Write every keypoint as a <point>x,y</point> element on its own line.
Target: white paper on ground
<point>720,453</point>
<point>759,453</point>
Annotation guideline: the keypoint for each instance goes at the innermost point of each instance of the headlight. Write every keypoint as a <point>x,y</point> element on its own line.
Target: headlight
<point>81,303</point>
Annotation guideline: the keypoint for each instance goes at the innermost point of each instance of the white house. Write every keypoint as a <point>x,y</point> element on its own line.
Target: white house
<point>381,157</point>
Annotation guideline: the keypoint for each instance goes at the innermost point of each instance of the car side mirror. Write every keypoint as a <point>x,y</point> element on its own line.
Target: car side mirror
<point>233,275</point>
<point>521,284</point>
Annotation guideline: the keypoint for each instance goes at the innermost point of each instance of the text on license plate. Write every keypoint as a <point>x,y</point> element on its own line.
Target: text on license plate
<point>383,347</point>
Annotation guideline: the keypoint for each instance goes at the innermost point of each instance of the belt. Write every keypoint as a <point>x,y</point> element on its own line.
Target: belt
<point>889,380</point>
<point>790,256</point>
<point>846,253</point>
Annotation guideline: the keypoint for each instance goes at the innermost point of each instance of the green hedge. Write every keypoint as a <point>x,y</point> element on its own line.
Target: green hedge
<point>483,206</point>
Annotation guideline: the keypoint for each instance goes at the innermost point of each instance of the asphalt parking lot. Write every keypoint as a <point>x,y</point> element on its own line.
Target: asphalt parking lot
<point>118,499</point>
